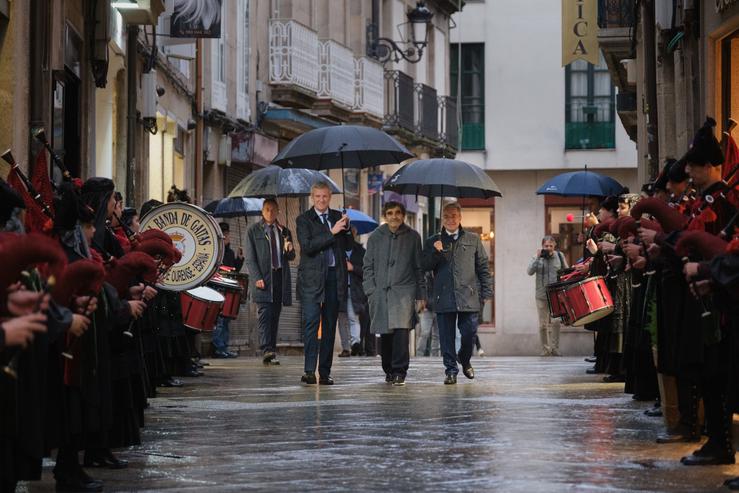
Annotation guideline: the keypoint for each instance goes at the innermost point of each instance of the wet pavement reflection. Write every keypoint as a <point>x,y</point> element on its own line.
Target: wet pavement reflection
<point>523,424</point>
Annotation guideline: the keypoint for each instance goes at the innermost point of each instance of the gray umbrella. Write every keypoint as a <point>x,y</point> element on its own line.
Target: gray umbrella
<point>342,147</point>
<point>274,181</point>
<point>442,178</point>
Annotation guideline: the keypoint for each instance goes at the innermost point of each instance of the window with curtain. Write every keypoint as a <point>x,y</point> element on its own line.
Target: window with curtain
<point>589,106</point>
<point>472,68</point>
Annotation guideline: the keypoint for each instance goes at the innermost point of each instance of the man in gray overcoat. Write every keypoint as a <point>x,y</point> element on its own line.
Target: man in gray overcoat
<point>394,284</point>
<point>269,250</point>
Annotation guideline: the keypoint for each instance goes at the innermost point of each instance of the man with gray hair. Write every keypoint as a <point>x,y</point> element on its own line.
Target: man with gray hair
<point>462,282</point>
<point>545,264</point>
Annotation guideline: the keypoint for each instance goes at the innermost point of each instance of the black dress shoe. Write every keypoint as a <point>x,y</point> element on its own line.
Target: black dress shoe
<point>591,371</point>
<point>104,459</point>
<point>450,380</point>
<point>469,372</point>
<point>268,357</point>
<point>78,484</point>
<point>399,380</point>
<point>308,378</point>
<point>590,359</point>
<point>388,378</point>
<point>655,412</point>
<point>325,381</point>
<point>356,349</point>
<point>732,483</point>
<point>171,382</point>
<point>345,353</point>
<point>707,459</point>
<point>613,379</point>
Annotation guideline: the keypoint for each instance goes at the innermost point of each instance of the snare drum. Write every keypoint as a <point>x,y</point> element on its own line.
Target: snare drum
<point>243,280</point>
<point>557,307</point>
<point>231,291</point>
<point>587,301</point>
<point>200,308</point>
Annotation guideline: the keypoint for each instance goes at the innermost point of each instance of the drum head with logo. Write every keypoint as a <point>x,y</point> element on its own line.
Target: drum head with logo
<point>196,235</point>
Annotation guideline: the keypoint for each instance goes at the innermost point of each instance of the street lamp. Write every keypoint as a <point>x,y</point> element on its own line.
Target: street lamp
<point>385,49</point>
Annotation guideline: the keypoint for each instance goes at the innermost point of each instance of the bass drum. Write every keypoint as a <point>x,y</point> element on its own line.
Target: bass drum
<point>196,235</point>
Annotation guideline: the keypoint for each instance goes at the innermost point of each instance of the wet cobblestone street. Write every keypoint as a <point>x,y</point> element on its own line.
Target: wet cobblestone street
<point>524,424</point>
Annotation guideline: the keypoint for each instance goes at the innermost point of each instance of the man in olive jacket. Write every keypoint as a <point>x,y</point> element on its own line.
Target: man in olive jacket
<point>394,284</point>
<point>461,283</point>
<point>323,235</point>
<point>269,250</point>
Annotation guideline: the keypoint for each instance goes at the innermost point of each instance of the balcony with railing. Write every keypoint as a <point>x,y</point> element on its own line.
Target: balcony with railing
<point>448,128</point>
<point>293,56</point>
<point>590,126</point>
<point>399,101</point>
<point>336,73</point>
<point>616,20</point>
<point>427,112</point>
<point>369,87</point>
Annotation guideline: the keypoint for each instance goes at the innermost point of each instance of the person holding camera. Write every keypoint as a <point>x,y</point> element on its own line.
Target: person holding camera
<point>545,264</point>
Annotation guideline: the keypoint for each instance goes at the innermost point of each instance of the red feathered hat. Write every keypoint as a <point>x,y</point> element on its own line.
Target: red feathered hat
<point>22,252</point>
<point>131,268</point>
<point>154,233</point>
<point>159,249</point>
<point>83,277</point>
<point>668,218</point>
<point>604,227</point>
<point>649,224</point>
<point>700,243</point>
<point>627,226</point>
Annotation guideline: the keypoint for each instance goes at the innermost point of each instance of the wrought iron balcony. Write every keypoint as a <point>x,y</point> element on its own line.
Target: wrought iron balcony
<point>615,13</point>
<point>369,87</point>
<point>336,73</point>
<point>399,100</point>
<point>448,128</point>
<point>427,111</point>
<point>590,126</point>
<point>293,55</point>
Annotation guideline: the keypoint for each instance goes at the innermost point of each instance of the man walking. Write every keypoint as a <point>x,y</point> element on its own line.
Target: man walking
<point>269,250</point>
<point>461,283</point>
<point>547,262</point>
<point>323,235</point>
<point>394,283</point>
<point>221,334</point>
<point>350,326</point>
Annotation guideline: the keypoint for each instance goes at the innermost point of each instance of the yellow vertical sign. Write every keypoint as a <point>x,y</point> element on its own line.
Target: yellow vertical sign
<point>579,31</point>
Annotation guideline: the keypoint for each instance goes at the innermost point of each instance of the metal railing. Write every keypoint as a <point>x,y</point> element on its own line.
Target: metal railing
<point>590,125</point>
<point>399,101</point>
<point>615,13</point>
<point>448,129</point>
<point>293,54</point>
<point>336,73</point>
<point>369,95</point>
<point>427,111</point>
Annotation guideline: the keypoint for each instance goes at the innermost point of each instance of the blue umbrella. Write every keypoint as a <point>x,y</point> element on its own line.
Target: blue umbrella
<point>581,184</point>
<point>235,207</point>
<point>361,221</point>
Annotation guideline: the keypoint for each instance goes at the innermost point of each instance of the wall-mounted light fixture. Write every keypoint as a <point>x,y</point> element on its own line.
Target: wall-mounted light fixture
<point>385,49</point>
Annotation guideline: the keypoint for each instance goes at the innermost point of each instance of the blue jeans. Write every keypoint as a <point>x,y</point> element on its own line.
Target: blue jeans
<point>324,314</point>
<point>221,334</point>
<point>448,323</point>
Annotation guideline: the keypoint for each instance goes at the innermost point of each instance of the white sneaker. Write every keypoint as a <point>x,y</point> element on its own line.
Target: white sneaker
<point>480,353</point>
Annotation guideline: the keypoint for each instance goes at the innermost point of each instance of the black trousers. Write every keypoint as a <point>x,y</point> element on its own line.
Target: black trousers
<point>395,352</point>
<point>269,315</point>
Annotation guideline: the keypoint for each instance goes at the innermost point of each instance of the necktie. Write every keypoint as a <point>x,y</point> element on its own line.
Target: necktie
<point>275,251</point>
<point>328,252</point>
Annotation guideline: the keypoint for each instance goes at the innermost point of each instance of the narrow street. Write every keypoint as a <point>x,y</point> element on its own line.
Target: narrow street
<point>525,424</point>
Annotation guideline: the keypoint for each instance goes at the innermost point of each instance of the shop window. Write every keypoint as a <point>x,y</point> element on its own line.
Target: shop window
<point>472,67</point>
<point>589,106</point>
<point>729,79</point>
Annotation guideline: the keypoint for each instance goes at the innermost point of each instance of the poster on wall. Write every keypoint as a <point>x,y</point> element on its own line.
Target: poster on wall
<point>196,19</point>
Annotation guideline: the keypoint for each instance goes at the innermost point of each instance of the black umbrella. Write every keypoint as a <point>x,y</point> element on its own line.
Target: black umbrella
<point>341,147</point>
<point>442,178</point>
<point>274,181</point>
<point>235,207</point>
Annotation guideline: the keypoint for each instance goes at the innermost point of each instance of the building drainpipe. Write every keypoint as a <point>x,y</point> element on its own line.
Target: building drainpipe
<point>133,34</point>
<point>650,76</point>
<point>198,195</point>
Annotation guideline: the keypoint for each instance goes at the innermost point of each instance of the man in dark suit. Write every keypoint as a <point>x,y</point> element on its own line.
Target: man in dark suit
<point>323,235</point>
<point>269,250</point>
